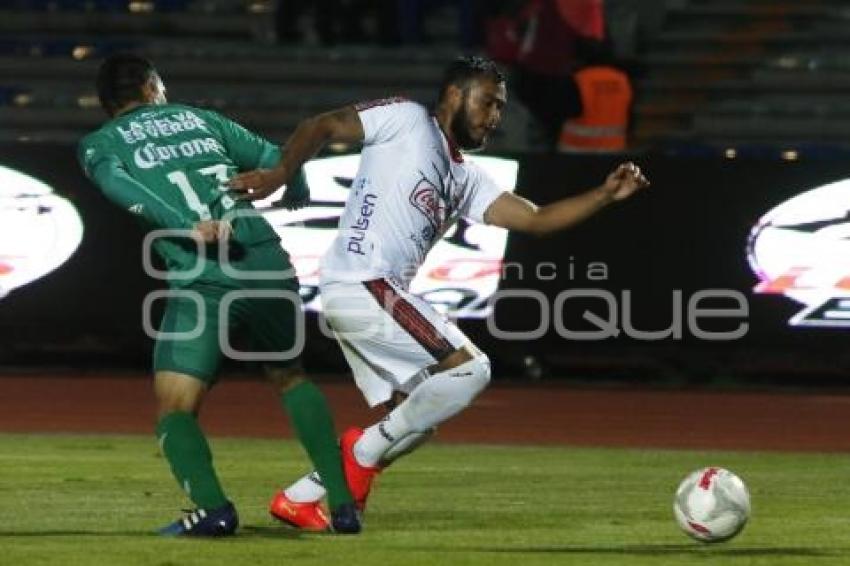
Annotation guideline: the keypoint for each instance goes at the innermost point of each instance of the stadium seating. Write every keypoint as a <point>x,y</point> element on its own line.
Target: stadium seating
<point>214,53</point>
<point>718,71</point>
<point>752,71</point>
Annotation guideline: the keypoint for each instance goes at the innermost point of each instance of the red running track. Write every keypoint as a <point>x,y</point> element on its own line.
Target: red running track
<point>506,413</point>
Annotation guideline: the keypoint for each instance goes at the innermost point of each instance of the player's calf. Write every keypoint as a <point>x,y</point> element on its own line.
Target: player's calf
<point>406,445</point>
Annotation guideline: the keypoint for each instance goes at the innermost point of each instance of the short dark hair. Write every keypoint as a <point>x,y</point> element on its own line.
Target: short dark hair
<point>120,80</point>
<point>463,69</point>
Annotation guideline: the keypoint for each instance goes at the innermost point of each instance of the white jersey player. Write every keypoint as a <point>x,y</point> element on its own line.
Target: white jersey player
<point>412,184</point>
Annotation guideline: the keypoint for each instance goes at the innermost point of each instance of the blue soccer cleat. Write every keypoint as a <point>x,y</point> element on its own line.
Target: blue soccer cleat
<point>345,519</point>
<point>218,522</point>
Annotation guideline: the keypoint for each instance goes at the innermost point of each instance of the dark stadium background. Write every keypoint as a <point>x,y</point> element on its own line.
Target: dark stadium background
<point>739,107</point>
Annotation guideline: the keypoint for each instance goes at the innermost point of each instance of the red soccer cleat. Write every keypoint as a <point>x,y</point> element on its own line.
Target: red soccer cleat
<point>305,516</point>
<point>359,477</point>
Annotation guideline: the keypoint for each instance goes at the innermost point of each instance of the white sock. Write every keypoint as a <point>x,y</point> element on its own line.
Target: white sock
<point>406,445</point>
<point>307,489</point>
<point>380,437</point>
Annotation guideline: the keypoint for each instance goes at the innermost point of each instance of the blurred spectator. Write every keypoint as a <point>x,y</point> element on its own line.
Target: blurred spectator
<point>414,13</point>
<point>501,30</point>
<point>606,98</point>
<point>340,21</point>
<point>586,17</point>
<point>631,21</point>
<point>555,34</point>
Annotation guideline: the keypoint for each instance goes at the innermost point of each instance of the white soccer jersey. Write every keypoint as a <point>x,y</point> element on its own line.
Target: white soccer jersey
<point>411,186</point>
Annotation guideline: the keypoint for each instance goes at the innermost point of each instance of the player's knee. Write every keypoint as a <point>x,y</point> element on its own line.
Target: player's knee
<point>479,367</point>
<point>457,358</point>
<point>285,379</point>
<point>173,402</point>
<point>445,394</point>
<point>472,378</point>
<point>178,393</point>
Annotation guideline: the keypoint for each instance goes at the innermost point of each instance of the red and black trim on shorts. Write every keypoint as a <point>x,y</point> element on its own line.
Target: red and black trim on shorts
<point>409,318</point>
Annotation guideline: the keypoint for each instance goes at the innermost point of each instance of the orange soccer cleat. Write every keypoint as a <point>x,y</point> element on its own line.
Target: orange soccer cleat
<point>307,516</point>
<point>359,477</point>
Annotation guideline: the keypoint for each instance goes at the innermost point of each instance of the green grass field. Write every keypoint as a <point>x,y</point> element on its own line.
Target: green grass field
<point>95,500</point>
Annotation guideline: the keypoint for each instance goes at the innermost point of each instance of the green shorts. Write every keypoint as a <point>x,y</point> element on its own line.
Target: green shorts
<point>243,318</point>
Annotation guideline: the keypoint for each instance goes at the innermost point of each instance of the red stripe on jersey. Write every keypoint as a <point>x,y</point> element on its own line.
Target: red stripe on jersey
<point>367,104</point>
<point>454,150</point>
<point>413,321</point>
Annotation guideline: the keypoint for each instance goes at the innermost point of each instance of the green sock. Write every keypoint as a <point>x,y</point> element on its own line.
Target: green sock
<point>311,418</point>
<point>186,449</point>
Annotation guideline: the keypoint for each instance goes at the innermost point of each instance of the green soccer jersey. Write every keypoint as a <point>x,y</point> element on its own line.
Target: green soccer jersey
<point>167,164</point>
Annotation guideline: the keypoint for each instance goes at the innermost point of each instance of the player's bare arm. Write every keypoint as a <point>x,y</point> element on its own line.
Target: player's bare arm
<point>311,135</point>
<point>516,213</point>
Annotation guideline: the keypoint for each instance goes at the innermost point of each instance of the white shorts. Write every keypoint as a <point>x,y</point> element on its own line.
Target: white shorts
<point>389,337</point>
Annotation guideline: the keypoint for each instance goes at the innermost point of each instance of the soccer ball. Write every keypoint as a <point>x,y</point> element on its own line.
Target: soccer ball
<point>712,505</point>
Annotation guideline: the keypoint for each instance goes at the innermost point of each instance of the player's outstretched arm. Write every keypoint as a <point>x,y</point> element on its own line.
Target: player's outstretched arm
<point>342,125</point>
<point>516,213</point>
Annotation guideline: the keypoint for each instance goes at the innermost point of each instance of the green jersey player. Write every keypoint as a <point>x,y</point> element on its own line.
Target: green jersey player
<point>167,164</point>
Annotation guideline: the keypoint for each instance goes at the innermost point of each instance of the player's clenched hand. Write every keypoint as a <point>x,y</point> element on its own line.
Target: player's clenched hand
<point>297,193</point>
<point>211,231</point>
<point>257,184</point>
<point>624,181</point>
<point>292,200</point>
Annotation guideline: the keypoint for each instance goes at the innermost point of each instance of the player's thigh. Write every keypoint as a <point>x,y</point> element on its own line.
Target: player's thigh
<point>264,310</point>
<point>271,331</point>
<point>276,327</point>
<point>389,342</point>
<point>411,324</point>
<point>188,341</point>
<point>274,324</point>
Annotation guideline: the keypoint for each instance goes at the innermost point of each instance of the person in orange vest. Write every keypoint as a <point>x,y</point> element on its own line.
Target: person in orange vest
<point>606,98</point>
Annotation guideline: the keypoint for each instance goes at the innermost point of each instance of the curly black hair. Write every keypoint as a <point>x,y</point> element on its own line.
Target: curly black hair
<point>464,69</point>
